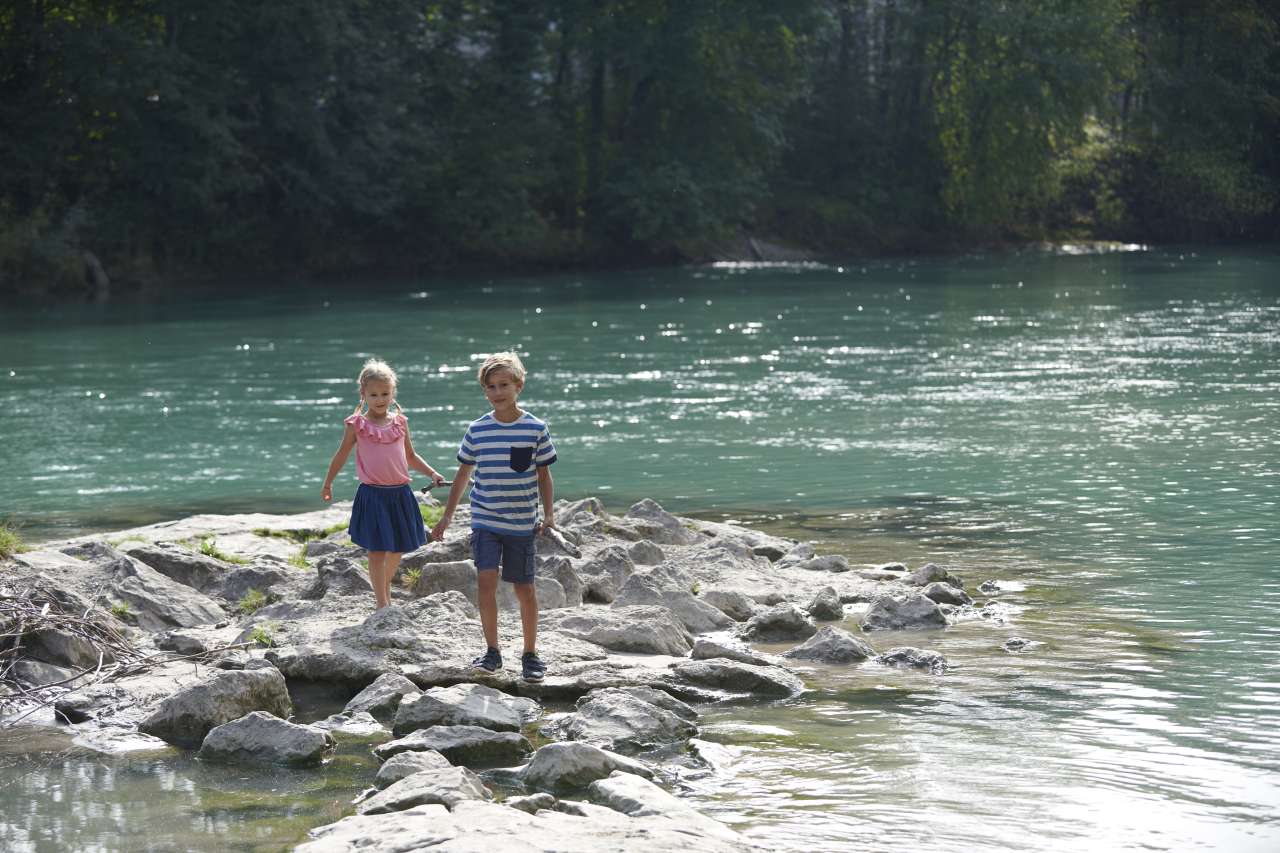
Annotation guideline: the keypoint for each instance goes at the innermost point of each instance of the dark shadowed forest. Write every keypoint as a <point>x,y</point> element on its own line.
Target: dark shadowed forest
<point>160,139</point>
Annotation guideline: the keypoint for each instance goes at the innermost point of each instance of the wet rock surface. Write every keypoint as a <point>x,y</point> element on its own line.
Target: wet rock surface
<point>644,616</point>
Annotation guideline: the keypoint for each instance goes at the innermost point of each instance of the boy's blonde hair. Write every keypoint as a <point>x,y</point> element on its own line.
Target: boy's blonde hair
<point>376,370</point>
<point>508,361</point>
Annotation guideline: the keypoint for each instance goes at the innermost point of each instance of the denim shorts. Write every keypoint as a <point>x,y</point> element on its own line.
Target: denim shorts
<point>514,551</point>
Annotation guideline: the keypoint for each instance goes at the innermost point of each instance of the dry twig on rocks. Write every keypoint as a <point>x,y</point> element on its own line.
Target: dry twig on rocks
<point>26,610</point>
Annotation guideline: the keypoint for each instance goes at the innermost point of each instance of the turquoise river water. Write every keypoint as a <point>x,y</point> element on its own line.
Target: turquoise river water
<point>1100,432</point>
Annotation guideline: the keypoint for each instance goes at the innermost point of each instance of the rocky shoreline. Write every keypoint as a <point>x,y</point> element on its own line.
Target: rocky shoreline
<point>193,632</point>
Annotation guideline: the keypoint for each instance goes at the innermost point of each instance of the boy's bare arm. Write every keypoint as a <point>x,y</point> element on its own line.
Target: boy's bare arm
<point>459,486</point>
<point>546,490</point>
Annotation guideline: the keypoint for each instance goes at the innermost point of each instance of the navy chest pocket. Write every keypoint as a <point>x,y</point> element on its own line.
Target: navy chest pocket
<point>521,458</point>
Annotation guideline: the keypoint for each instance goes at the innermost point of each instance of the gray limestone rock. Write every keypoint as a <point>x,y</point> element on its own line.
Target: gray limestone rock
<point>781,622</point>
<point>63,648</point>
<point>460,705</point>
<point>656,524</point>
<point>825,605</point>
<point>470,745</point>
<point>907,656</point>
<point>653,630</point>
<point>697,616</point>
<point>35,673</point>
<point>930,573</point>
<point>731,603</point>
<point>382,697</point>
<point>75,708</point>
<point>531,804</point>
<point>454,549</point>
<point>446,786</point>
<point>598,589</point>
<point>187,567</point>
<point>705,649</point>
<point>406,764</point>
<point>945,593</point>
<point>339,576</point>
<point>187,716</point>
<point>459,576</point>
<point>637,797</point>
<point>183,641</point>
<point>1016,644</point>
<point>484,826</point>
<point>360,724</point>
<point>832,645</point>
<point>156,602</point>
<point>262,576</point>
<point>825,563</point>
<point>894,613</point>
<point>263,738</point>
<point>799,553</point>
<point>561,570</point>
<point>770,551</point>
<point>612,561</point>
<point>622,720</point>
<point>645,553</point>
<point>564,766</point>
<point>735,679</point>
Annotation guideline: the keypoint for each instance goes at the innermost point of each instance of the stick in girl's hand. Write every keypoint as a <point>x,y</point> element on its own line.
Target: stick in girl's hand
<point>427,489</point>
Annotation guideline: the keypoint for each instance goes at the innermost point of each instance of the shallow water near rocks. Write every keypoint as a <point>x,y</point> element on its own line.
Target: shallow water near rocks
<point>1103,432</point>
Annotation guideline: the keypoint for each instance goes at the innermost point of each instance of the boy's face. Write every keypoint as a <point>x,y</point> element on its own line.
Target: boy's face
<point>502,389</point>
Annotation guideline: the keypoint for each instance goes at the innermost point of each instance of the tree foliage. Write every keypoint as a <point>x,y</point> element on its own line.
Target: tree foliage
<point>174,137</point>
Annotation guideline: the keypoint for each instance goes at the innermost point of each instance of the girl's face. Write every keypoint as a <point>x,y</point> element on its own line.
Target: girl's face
<point>377,395</point>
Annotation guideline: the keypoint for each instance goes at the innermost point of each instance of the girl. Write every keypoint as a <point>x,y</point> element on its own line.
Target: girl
<point>385,519</point>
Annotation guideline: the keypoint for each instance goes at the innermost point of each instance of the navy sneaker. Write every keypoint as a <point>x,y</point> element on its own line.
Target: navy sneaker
<point>490,661</point>
<point>531,667</point>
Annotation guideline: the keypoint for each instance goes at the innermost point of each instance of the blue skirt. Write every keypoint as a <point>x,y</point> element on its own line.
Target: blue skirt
<point>386,518</point>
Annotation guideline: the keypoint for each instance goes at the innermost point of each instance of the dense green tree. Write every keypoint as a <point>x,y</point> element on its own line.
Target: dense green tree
<point>194,136</point>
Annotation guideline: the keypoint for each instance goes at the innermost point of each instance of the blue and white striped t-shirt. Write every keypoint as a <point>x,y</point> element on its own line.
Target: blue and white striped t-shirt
<point>504,490</point>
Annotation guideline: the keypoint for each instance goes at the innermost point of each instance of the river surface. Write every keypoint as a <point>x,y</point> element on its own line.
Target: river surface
<point>1098,432</point>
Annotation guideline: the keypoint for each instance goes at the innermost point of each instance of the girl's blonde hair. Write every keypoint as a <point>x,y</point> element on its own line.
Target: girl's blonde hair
<point>376,370</point>
<point>508,361</point>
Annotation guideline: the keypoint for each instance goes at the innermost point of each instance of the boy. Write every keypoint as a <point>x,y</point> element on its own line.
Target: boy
<point>510,451</point>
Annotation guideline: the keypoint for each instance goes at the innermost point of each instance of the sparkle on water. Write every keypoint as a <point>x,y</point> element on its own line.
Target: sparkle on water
<point>1098,431</point>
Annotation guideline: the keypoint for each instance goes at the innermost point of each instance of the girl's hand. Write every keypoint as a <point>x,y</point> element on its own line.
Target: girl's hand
<point>436,479</point>
<point>326,493</point>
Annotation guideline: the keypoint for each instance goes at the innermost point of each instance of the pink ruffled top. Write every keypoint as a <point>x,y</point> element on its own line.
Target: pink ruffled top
<point>380,459</point>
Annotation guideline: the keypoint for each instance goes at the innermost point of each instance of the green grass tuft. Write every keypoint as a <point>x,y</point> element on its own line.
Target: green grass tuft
<point>10,541</point>
<point>208,546</point>
<point>431,515</point>
<point>299,560</point>
<point>252,602</point>
<point>410,578</point>
<point>262,636</point>
<point>120,611</point>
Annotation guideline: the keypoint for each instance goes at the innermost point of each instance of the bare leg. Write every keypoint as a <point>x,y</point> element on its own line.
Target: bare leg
<point>377,560</point>
<point>390,563</point>
<point>527,595</point>
<point>487,603</point>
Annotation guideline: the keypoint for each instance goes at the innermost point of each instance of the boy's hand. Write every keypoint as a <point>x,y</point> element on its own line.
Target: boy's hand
<point>437,532</point>
<point>326,493</point>
<point>543,526</point>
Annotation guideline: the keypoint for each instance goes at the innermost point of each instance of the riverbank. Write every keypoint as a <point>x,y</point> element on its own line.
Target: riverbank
<point>648,620</point>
